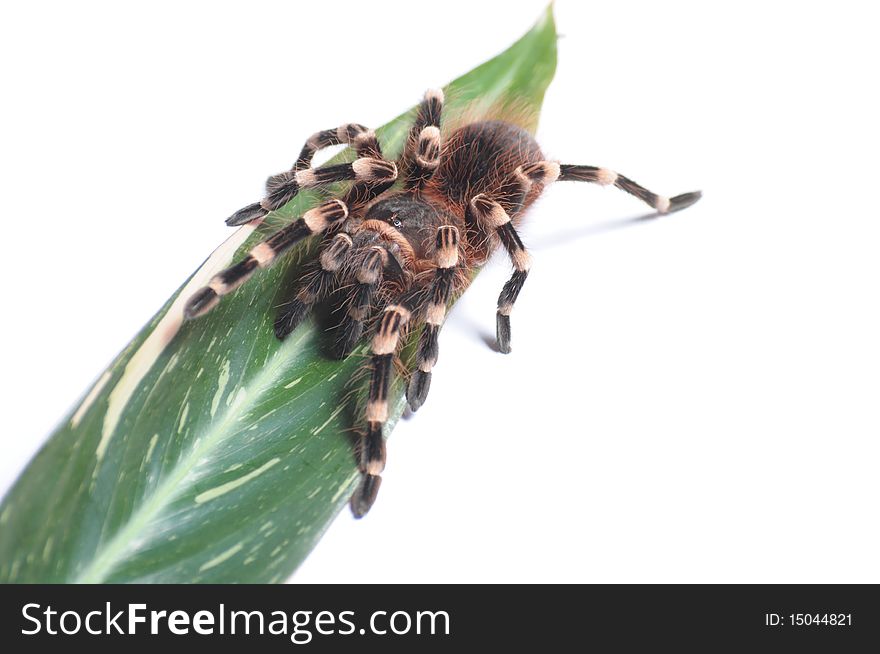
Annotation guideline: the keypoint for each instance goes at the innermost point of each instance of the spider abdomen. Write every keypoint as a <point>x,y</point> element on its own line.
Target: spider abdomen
<point>479,157</point>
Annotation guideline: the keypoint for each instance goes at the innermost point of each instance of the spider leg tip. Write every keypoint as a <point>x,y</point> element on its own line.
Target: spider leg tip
<point>364,495</point>
<point>246,214</point>
<point>683,201</point>
<point>289,318</point>
<point>200,303</point>
<point>417,391</point>
<point>347,340</point>
<point>502,333</point>
<point>281,331</point>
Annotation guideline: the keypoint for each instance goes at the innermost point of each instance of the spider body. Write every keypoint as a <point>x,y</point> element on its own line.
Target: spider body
<point>394,257</point>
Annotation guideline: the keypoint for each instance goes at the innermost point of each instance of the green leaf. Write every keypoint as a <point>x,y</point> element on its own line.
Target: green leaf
<point>209,451</point>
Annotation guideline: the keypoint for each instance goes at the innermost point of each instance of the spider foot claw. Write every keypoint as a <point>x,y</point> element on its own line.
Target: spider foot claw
<point>417,391</point>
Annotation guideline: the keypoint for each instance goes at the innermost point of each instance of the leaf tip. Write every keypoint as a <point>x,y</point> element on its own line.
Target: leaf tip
<point>547,19</point>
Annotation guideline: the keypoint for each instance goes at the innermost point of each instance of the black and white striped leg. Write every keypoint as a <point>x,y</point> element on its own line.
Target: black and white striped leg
<point>445,259</point>
<point>423,149</point>
<point>368,277</point>
<point>362,139</point>
<point>606,177</point>
<point>313,221</point>
<point>493,215</point>
<point>371,448</point>
<point>314,285</point>
<point>280,189</point>
<point>365,144</point>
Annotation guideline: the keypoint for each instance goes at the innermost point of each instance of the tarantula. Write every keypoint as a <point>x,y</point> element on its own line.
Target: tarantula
<point>400,255</point>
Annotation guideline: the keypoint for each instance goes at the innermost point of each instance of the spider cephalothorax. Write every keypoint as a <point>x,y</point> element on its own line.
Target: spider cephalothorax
<point>399,255</point>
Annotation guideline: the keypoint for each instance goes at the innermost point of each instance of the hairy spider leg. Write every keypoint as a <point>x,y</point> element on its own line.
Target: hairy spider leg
<point>424,300</point>
<point>496,218</point>
<point>606,177</point>
<point>422,155</point>
<point>365,144</point>
<point>282,188</point>
<point>363,140</point>
<point>446,256</point>
<point>367,278</point>
<point>314,221</point>
<point>371,447</point>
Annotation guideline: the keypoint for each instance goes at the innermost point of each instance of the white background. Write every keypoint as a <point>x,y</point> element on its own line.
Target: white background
<point>689,399</point>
